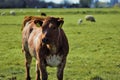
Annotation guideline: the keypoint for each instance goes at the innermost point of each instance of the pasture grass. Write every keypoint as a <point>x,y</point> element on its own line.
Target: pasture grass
<point>94,47</point>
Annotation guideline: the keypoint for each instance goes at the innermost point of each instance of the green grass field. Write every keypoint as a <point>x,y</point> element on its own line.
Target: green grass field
<point>94,47</point>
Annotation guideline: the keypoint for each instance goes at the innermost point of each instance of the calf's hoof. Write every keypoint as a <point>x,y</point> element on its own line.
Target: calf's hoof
<point>28,78</point>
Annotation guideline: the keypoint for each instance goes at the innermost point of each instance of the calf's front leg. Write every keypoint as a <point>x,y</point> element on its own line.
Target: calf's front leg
<point>43,71</point>
<point>60,70</point>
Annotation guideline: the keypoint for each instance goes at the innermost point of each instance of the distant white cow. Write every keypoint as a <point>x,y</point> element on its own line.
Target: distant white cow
<point>90,18</point>
<point>80,21</point>
<point>12,12</point>
<point>21,10</point>
<point>3,13</point>
<point>38,10</point>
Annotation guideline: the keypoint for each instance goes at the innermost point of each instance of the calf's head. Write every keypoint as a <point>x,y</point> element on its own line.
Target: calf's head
<point>51,29</point>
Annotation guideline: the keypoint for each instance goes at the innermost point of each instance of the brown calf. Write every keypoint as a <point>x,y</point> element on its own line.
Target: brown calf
<point>47,43</point>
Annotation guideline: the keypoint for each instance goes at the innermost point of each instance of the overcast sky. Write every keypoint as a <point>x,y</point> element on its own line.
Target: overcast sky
<point>72,1</point>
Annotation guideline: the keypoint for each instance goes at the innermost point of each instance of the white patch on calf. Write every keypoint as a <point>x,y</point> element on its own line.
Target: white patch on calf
<point>53,60</point>
<point>37,38</point>
<point>27,24</point>
<point>34,43</point>
<point>32,52</point>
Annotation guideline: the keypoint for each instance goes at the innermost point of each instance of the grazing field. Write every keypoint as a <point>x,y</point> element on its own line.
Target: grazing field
<point>94,47</point>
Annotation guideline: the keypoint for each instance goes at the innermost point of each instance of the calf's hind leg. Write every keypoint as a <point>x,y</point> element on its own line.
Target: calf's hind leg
<point>37,71</point>
<point>28,60</point>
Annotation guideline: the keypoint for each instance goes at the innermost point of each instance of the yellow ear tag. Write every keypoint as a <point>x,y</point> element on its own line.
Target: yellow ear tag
<point>60,25</point>
<point>37,24</point>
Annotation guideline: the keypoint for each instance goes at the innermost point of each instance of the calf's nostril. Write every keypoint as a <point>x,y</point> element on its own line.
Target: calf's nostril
<point>44,40</point>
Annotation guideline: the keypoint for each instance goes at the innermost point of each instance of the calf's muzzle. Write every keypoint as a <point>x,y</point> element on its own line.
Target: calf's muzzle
<point>45,40</point>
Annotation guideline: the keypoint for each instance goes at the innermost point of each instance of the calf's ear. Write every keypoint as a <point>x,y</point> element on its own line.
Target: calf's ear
<point>26,19</point>
<point>60,22</point>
